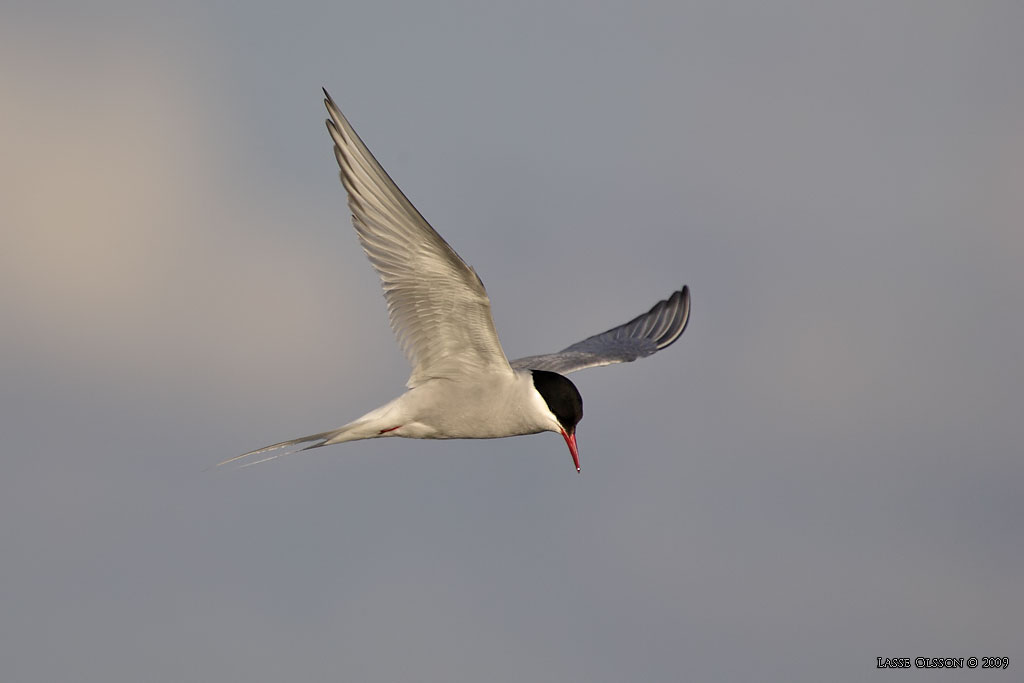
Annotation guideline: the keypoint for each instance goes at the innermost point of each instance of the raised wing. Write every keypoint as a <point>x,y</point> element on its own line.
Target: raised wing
<point>646,334</point>
<point>437,304</point>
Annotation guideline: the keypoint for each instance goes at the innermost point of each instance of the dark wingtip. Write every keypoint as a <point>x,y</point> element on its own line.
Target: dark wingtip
<point>680,317</point>
<point>328,103</point>
<point>685,292</point>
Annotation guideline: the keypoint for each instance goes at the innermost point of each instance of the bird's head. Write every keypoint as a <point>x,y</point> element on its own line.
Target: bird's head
<point>565,405</point>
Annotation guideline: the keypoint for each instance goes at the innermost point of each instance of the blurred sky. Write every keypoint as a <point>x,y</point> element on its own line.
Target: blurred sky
<point>825,469</point>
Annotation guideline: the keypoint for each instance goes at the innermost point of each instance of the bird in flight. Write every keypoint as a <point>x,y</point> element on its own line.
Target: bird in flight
<point>462,385</point>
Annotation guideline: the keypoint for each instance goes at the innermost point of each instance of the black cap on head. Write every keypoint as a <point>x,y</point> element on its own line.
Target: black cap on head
<point>562,397</point>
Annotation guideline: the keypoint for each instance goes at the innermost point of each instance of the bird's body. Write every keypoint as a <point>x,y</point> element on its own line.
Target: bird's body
<point>484,406</point>
<point>462,385</point>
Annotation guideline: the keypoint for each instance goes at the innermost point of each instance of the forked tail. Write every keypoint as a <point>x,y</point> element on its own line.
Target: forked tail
<point>349,432</point>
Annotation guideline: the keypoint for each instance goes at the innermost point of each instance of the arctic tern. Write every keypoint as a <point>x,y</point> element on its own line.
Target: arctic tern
<point>462,385</point>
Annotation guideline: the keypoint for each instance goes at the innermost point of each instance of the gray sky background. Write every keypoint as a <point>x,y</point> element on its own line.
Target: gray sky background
<point>825,469</point>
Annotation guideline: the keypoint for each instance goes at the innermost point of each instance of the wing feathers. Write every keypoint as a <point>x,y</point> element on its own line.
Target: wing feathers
<point>438,307</point>
<point>642,336</point>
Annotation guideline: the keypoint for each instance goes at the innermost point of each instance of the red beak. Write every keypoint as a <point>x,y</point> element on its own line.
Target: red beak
<point>570,440</point>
